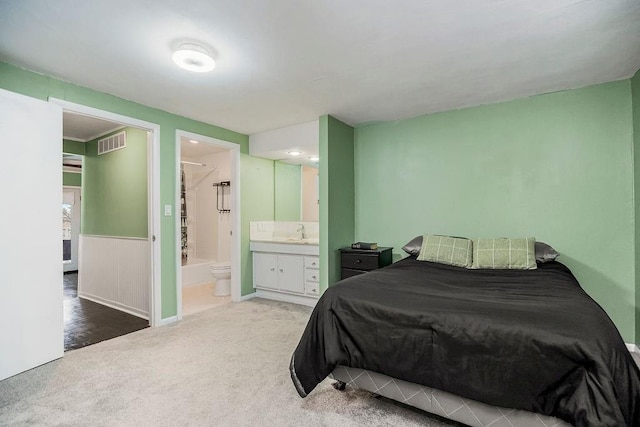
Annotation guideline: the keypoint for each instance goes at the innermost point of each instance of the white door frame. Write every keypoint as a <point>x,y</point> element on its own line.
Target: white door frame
<point>153,194</point>
<point>234,214</point>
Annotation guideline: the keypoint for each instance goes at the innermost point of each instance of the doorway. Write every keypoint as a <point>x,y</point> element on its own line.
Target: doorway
<point>71,215</point>
<point>150,256</point>
<point>106,280</point>
<point>207,223</point>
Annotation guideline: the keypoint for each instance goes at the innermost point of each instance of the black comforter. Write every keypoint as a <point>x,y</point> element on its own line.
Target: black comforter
<point>531,340</point>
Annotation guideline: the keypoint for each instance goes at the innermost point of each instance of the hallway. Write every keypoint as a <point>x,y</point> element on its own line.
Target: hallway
<point>87,322</point>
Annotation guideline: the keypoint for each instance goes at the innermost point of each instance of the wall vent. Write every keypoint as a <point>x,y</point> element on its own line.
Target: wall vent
<point>112,143</point>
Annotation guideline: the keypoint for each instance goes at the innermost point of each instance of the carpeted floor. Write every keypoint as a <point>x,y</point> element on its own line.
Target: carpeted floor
<point>224,366</point>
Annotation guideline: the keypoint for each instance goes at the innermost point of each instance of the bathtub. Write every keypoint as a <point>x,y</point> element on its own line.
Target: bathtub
<point>196,272</point>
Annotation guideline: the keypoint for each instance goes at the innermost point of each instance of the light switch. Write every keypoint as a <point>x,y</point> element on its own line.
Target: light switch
<point>167,210</point>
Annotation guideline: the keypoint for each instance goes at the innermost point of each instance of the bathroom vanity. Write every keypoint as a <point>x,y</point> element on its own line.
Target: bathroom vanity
<point>286,265</point>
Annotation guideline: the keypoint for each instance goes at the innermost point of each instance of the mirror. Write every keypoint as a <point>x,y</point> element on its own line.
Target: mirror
<point>296,192</point>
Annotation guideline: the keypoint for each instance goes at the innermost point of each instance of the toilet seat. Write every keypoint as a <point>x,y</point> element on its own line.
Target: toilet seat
<point>220,266</point>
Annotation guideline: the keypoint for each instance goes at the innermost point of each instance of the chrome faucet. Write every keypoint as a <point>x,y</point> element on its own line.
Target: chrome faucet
<point>303,234</point>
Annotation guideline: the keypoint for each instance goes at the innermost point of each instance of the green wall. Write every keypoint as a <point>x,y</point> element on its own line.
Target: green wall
<point>558,167</point>
<point>71,179</point>
<point>114,201</point>
<point>73,147</point>
<point>635,97</point>
<point>256,183</point>
<point>336,196</point>
<point>40,86</point>
<point>287,191</point>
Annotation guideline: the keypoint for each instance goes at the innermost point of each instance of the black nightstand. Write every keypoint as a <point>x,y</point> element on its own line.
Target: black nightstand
<point>358,261</point>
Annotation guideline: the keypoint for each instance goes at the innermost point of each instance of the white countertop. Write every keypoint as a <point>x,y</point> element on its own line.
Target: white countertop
<point>289,240</point>
<point>285,246</point>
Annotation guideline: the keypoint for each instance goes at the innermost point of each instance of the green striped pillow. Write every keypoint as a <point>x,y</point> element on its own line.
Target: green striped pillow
<point>446,250</point>
<point>504,253</point>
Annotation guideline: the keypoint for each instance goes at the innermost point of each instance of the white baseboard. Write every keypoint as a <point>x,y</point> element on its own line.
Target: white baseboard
<point>247,297</point>
<point>632,348</point>
<point>280,296</point>
<point>113,304</point>
<point>167,320</point>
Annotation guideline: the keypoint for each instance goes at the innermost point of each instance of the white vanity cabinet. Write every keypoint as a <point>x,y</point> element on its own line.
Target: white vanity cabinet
<point>286,272</point>
<point>265,270</point>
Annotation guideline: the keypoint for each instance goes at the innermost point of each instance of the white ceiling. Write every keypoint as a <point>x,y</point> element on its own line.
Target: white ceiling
<point>84,128</point>
<point>192,152</point>
<point>283,62</point>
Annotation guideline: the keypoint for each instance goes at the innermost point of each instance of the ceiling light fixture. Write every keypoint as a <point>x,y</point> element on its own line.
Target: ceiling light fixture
<point>294,153</point>
<point>193,141</point>
<point>193,57</point>
<point>314,159</point>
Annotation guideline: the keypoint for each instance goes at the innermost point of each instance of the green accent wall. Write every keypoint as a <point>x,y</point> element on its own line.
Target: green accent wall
<point>257,189</point>
<point>114,201</point>
<point>287,191</point>
<point>42,87</point>
<point>557,166</point>
<point>635,99</point>
<point>73,147</point>
<point>337,227</point>
<point>71,179</point>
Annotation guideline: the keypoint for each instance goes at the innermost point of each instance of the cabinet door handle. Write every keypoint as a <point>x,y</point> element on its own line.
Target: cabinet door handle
<point>273,269</point>
<point>313,264</point>
<point>358,261</point>
<point>282,270</point>
<point>314,291</point>
<point>314,276</point>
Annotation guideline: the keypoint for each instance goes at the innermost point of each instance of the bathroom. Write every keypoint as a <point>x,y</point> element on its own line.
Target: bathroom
<point>205,225</point>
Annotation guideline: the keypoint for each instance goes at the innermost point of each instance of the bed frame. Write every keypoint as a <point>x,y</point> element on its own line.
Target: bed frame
<point>447,405</point>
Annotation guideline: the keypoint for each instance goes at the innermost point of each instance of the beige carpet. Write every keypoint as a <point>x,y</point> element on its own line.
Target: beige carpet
<point>224,366</point>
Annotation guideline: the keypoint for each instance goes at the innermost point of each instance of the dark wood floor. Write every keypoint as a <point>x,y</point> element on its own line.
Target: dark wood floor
<point>87,322</point>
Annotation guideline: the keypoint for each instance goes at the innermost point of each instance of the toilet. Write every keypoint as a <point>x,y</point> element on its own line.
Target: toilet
<point>221,273</point>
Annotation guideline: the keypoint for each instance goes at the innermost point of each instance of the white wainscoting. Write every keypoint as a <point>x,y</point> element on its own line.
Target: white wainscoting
<point>114,271</point>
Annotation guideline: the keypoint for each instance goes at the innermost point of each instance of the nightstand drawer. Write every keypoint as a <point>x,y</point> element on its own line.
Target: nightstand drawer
<point>347,272</point>
<point>359,261</point>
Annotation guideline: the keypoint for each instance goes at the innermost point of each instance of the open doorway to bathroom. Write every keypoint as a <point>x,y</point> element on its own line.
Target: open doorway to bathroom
<point>206,223</point>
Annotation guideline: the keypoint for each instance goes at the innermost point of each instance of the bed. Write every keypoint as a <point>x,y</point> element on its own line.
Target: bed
<point>526,343</point>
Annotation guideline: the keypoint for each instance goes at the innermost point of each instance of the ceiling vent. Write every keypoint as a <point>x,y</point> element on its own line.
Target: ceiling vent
<point>114,142</point>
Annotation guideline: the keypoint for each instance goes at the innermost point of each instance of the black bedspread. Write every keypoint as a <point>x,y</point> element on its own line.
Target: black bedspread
<point>531,340</point>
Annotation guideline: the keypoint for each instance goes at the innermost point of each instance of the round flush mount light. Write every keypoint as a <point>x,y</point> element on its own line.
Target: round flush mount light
<point>193,57</point>
<point>294,153</point>
<point>193,141</point>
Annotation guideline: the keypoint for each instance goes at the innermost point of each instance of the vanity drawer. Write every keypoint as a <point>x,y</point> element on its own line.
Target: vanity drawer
<point>312,288</point>
<point>311,275</point>
<point>311,262</point>
<point>359,261</point>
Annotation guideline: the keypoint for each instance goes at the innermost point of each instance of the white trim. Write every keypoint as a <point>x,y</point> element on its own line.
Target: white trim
<point>71,138</point>
<point>235,213</point>
<point>167,320</point>
<point>113,304</point>
<point>281,296</point>
<point>632,348</point>
<point>153,159</point>
<point>248,297</point>
<point>102,236</point>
